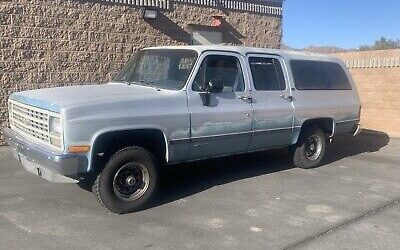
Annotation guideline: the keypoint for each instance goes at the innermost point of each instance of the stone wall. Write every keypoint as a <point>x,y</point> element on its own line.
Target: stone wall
<point>45,43</point>
<point>377,75</point>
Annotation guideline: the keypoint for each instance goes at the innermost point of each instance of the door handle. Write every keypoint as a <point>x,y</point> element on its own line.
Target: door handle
<point>248,99</point>
<point>288,98</point>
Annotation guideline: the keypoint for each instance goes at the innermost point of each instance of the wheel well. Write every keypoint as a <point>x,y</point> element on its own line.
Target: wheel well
<point>106,145</point>
<point>326,124</point>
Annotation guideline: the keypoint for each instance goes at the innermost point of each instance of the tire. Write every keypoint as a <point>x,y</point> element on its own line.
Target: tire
<point>307,156</point>
<point>129,181</point>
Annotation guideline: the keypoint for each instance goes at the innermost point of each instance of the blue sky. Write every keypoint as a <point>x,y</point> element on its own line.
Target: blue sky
<point>342,23</point>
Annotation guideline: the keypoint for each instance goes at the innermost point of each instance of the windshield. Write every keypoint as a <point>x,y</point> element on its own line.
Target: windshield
<point>160,68</point>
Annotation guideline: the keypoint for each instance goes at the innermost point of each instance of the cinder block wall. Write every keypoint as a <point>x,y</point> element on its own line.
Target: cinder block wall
<point>377,75</point>
<point>45,43</point>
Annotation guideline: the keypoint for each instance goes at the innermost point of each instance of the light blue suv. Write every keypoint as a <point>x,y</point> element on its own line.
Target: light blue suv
<point>179,104</point>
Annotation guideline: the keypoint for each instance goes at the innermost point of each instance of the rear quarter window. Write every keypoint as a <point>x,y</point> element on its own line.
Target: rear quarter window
<point>317,75</point>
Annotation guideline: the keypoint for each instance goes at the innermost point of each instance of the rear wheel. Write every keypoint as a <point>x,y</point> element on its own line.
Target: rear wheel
<point>310,150</point>
<point>128,182</point>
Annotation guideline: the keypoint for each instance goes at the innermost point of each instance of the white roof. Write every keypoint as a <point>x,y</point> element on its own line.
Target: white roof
<point>288,54</point>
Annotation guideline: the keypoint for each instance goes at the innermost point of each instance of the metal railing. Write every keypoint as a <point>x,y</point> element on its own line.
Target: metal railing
<point>386,62</point>
<point>240,5</point>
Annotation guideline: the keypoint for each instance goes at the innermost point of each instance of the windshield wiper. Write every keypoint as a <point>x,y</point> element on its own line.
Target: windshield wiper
<point>122,81</point>
<point>151,83</point>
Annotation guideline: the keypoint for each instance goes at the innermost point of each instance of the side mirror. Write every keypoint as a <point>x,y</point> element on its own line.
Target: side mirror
<point>211,87</point>
<point>205,98</point>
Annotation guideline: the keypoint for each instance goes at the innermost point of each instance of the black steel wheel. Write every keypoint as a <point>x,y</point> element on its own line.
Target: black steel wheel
<point>128,182</point>
<point>131,181</point>
<point>310,150</point>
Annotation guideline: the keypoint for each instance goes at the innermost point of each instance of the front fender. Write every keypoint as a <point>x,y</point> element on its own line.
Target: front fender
<point>104,131</point>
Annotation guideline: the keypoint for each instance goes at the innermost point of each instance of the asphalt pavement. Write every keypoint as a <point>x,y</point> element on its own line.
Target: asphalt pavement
<point>254,201</point>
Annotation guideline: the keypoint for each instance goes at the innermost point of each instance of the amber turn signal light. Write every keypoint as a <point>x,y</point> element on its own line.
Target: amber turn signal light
<point>79,149</point>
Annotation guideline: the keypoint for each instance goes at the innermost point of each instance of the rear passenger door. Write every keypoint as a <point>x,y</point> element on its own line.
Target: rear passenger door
<point>272,103</point>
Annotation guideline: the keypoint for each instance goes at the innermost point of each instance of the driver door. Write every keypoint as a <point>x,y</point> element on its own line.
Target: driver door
<point>224,126</point>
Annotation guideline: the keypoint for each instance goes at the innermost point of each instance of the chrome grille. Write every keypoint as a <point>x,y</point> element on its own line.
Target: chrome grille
<point>32,123</point>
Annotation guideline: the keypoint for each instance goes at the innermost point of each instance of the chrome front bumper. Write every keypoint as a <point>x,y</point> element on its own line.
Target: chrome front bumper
<point>50,165</point>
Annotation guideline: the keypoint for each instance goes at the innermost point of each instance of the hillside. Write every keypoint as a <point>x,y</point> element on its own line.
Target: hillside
<point>318,49</point>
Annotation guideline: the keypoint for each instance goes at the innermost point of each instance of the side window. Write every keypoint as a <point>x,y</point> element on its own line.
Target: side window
<point>267,74</point>
<point>224,69</point>
<point>316,75</point>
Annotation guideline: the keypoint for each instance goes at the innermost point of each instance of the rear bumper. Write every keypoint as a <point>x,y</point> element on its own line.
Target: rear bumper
<point>52,166</point>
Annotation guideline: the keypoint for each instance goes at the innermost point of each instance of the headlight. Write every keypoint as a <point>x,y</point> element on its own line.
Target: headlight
<point>55,126</point>
<point>9,107</point>
<point>10,113</point>
<point>55,129</point>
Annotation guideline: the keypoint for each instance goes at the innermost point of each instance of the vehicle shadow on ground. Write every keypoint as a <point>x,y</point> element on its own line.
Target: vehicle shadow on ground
<point>190,178</point>
<point>345,146</point>
<point>183,180</point>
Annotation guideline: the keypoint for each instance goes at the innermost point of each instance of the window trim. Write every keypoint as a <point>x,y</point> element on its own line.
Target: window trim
<point>321,89</point>
<point>204,57</point>
<point>272,58</point>
<point>281,59</point>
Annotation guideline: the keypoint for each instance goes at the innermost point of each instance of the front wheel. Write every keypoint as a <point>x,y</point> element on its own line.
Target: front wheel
<point>128,182</point>
<point>310,150</point>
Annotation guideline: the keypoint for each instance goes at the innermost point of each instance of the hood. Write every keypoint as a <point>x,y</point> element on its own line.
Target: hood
<point>54,99</point>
